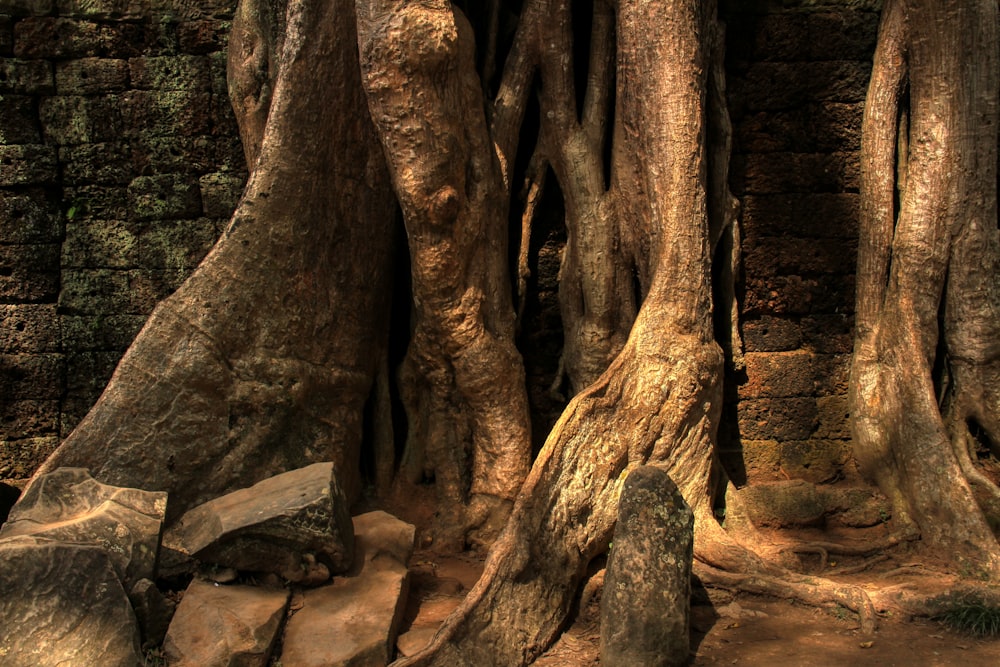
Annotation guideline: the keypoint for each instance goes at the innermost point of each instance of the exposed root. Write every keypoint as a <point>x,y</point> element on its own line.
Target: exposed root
<point>860,567</point>
<point>824,555</point>
<point>809,590</point>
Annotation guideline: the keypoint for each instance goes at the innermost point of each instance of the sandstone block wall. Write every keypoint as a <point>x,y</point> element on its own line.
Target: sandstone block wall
<point>119,164</point>
<point>797,76</point>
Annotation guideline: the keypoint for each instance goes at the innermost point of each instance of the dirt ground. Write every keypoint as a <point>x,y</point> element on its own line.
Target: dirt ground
<point>725,629</point>
<point>746,630</point>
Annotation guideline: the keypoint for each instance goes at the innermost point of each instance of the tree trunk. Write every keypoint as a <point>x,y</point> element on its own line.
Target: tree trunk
<point>263,359</point>
<point>426,100</point>
<point>927,350</point>
<point>660,399</point>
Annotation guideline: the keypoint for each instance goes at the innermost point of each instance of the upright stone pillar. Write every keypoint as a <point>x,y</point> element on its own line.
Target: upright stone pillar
<point>647,587</point>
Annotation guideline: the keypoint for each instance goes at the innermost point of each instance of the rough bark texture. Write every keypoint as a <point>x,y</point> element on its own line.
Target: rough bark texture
<point>263,360</point>
<point>659,399</point>
<point>927,351</point>
<point>463,379</point>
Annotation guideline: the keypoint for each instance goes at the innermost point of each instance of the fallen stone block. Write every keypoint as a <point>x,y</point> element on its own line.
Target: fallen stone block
<point>69,506</point>
<point>355,619</point>
<point>225,626</point>
<point>276,526</point>
<point>63,604</point>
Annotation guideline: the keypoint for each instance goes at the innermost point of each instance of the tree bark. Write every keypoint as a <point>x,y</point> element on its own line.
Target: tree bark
<point>660,399</point>
<point>928,289</point>
<point>426,100</point>
<point>263,359</point>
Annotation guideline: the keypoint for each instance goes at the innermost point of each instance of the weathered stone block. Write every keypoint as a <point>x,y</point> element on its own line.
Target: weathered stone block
<point>204,36</point>
<point>73,411</point>
<point>91,76</point>
<point>822,215</point>
<point>771,334</point>
<point>784,503</point>
<point>74,119</point>
<point>71,507</point>
<point>821,127</point>
<point>87,373</point>
<point>29,328</point>
<point>163,197</point>
<point>271,525</point>
<point>27,7</point>
<point>182,72</point>
<point>798,295</point>
<point>828,334</point>
<point>645,606</point>
<point>765,173</point>
<point>29,273</point>
<point>791,256</point>
<point>97,202</point>
<point>225,626</point>
<point>190,11</point>
<point>31,77</point>
<point>777,418</point>
<point>100,243</point>
<point>833,372</point>
<point>167,113</point>
<point>840,35</point>
<point>761,460</point>
<point>20,458</point>
<point>99,332</point>
<point>29,216</point>
<point>220,192</point>
<point>366,606</point>
<point>776,86</point>
<point>96,292</point>
<point>96,163</point>
<point>229,154</point>
<point>177,244</point>
<point>64,38</point>
<point>814,460</point>
<point>150,286</point>
<point>834,417</point>
<point>18,121</point>
<point>63,605</point>
<point>28,418</point>
<point>779,374</point>
<point>6,34</point>
<point>173,154</point>
<point>27,164</point>
<point>104,9</point>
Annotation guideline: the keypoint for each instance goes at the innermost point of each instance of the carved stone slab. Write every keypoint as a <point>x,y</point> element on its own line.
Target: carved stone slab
<point>272,526</point>
<point>69,506</point>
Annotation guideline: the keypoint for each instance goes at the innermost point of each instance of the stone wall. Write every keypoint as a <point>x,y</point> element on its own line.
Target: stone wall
<point>119,164</point>
<point>797,77</point>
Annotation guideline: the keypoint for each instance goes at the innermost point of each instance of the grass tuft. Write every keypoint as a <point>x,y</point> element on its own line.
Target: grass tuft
<point>973,616</point>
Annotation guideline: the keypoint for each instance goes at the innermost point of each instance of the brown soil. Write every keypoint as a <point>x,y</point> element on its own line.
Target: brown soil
<point>741,629</point>
<point>726,630</point>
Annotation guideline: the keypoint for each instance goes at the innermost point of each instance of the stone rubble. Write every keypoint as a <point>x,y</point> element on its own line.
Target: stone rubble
<point>78,568</point>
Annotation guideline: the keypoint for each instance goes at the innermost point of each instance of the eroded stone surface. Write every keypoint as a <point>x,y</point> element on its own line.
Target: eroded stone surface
<point>69,506</point>
<point>62,604</point>
<point>645,606</point>
<point>355,619</point>
<point>225,626</point>
<point>275,526</point>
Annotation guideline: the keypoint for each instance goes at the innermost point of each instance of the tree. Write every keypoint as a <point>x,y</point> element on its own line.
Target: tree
<point>924,392</point>
<point>275,350</point>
